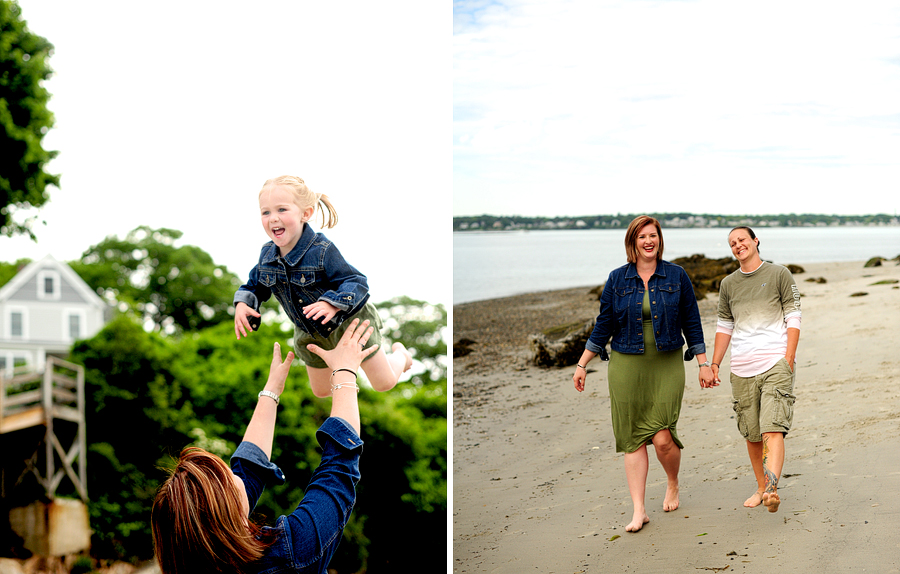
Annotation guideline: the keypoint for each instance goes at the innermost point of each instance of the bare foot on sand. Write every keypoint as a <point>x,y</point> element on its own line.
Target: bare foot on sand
<point>771,501</point>
<point>754,500</point>
<point>637,522</point>
<point>671,501</point>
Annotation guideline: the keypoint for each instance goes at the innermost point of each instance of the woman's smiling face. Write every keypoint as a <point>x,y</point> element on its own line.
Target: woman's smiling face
<point>647,243</point>
<point>743,247</point>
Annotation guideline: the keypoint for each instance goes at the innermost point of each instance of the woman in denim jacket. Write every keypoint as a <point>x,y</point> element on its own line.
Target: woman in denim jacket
<point>645,307</point>
<point>315,286</point>
<point>200,517</point>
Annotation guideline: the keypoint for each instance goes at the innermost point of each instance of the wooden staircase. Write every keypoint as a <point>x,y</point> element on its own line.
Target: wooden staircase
<point>33,399</point>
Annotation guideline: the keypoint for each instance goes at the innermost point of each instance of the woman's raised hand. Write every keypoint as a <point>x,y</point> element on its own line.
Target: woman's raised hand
<point>278,372</point>
<point>349,352</point>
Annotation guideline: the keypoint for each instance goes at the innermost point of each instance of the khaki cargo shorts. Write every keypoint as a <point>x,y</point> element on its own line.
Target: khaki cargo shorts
<point>764,403</point>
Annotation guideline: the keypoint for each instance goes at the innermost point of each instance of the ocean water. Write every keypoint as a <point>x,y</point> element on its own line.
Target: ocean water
<point>487,265</point>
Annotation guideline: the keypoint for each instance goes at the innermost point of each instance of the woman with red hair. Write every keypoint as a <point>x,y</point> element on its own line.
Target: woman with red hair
<point>648,309</point>
<point>200,517</point>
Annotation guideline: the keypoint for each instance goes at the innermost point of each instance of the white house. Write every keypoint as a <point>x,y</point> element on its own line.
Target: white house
<point>43,309</point>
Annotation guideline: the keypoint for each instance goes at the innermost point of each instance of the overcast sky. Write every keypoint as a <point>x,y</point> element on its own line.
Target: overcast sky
<point>173,114</point>
<point>571,107</point>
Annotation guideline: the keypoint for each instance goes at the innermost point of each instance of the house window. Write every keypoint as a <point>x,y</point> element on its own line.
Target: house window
<point>74,326</point>
<point>16,324</point>
<point>49,285</point>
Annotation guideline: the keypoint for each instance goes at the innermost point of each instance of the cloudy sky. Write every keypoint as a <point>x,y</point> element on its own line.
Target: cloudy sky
<point>571,107</point>
<point>173,114</point>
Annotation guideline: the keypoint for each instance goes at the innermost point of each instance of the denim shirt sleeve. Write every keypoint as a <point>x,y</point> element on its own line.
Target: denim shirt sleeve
<point>690,318</point>
<point>252,293</point>
<point>605,324</point>
<point>315,528</point>
<point>350,286</point>
<point>256,470</point>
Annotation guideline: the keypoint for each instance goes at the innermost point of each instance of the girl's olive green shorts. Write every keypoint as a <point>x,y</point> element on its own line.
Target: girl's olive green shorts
<point>764,403</point>
<point>302,338</point>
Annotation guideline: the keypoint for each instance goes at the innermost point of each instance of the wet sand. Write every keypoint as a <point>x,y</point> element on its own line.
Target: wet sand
<point>538,486</point>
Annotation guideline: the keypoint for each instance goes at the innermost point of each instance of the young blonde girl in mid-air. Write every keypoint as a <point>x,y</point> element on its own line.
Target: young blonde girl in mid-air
<point>317,288</point>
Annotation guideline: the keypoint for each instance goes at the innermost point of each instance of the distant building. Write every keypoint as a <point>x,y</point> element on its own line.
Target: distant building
<point>43,310</point>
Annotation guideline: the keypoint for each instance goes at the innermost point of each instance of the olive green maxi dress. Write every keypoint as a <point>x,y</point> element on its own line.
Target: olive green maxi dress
<point>645,390</point>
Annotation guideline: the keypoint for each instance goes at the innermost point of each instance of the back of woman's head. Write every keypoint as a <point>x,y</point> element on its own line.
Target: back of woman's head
<point>304,197</point>
<point>198,520</point>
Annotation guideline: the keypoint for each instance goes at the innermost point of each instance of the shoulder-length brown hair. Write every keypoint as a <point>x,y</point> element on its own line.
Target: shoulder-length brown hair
<point>634,228</point>
<point>197,519</point>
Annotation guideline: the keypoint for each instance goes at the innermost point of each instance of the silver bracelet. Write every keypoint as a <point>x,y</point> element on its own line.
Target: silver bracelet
<point>582,366</point>
<point>341,385</point>
<point>270,394</point>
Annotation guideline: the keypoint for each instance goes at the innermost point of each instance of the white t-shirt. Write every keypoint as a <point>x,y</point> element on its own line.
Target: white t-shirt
<point>756,309</point>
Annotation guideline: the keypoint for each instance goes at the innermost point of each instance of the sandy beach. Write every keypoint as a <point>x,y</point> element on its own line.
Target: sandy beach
<point>538,486</point>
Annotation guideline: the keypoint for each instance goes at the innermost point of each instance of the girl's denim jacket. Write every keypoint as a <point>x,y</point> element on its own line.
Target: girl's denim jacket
<point>673,305</point>
<point>305,540</point>
<point>313,271</point>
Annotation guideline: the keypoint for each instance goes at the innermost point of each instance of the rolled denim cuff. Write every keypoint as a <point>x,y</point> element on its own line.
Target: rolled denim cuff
<point>694,351</point>
<point>343,301</point>
<point>247,298</point>
<point>340,432</point>
<point>595,348</point>
<point>248,452</point>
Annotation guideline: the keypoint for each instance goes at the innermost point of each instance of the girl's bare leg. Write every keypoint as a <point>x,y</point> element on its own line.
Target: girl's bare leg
<point>383,371</point>
<point>320,381</point>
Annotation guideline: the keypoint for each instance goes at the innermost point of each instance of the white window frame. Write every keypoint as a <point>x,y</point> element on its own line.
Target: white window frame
<point>9,313</point>
<point>82,324</point>
<point>42,276</point>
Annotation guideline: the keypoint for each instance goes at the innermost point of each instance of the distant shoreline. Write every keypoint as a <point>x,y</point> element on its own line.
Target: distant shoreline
<point>468,223</point>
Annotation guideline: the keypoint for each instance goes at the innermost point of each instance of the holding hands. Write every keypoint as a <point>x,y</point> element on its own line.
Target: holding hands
<point>708,378</point>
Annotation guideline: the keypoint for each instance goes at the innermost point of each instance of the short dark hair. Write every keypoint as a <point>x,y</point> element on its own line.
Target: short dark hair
<point>750,231</point>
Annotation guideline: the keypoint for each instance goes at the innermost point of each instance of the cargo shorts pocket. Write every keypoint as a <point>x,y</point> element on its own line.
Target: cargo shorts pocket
<point>784,409</point>
<point>740,416</point>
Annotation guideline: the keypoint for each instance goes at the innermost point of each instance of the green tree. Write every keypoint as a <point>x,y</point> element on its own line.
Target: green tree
<point>9,270</point>
<point>24,120</point>
<point>200,387</point>
<point>174,289</point>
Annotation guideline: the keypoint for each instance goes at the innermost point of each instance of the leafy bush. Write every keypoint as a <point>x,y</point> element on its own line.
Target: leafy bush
<point>150,395</point>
